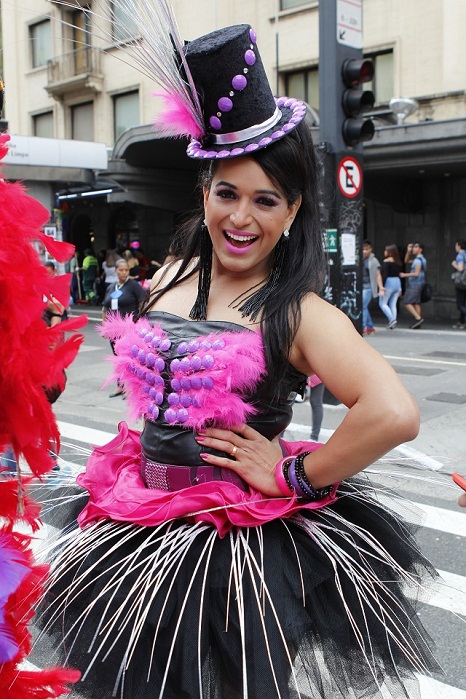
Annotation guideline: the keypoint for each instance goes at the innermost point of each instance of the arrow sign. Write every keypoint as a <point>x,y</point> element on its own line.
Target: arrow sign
<point>349,23</point>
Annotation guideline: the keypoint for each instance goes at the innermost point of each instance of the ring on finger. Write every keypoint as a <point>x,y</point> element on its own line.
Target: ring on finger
<point>234,450</point>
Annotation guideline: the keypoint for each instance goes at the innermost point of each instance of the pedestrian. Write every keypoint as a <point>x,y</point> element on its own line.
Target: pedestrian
<point>316,400</point>
<point>459,265</point>
<point>416,279</point>
<point>125,296</point>
<point>371,285</point>
<point>90,271</point>
<point>75,285</point>
<point>391,289</point>
<point>54,312</point>
<point>109,275</point>
<point>133,264</point>
<point>215,559</point>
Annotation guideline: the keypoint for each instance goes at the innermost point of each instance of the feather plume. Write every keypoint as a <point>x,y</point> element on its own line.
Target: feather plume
<point>155,48</point>
<point>175,119</point>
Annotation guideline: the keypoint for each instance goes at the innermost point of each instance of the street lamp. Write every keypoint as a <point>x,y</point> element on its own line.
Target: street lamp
<point>402,107</point>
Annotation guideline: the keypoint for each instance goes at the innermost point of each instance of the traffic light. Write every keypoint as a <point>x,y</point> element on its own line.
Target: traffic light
<point>356,101</point>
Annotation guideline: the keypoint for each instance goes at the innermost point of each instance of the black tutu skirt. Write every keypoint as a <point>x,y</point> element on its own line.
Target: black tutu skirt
<point>321,605</point>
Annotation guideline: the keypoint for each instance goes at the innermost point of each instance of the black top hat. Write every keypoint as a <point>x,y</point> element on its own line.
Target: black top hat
<point>240,113</point>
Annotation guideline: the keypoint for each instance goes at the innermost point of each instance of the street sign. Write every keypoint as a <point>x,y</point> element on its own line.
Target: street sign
<point>349,177</point>
<point>331,240</point>
<point>349,23</point>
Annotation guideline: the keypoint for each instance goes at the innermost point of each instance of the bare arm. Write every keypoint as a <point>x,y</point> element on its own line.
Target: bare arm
<point>380,281</point>
<point>415,273</point>
<point>381,415</point>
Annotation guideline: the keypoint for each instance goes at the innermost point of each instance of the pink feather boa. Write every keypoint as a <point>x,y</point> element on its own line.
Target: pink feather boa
<point>225,366</point>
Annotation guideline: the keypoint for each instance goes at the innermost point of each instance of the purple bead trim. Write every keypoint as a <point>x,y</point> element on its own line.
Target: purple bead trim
<point>238,82</point>
<point>191,378</point>
<point>298,111</point>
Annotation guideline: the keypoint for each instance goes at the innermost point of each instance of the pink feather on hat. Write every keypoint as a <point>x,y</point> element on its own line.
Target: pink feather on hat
<point>175,118</point>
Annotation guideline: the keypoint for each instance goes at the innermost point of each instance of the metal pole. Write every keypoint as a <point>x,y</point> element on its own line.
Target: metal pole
<point>277,63</point>
<point>342,167</point>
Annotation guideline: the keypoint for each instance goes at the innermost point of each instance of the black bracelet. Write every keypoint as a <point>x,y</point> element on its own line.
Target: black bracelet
<point>311,492</point>
<point>286,470</point>
<point>55,315</point>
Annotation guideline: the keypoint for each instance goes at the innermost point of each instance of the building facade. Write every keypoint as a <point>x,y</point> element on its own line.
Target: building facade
<point>69,75</point>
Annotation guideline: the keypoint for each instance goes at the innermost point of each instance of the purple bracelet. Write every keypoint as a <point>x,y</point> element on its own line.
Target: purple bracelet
<point>294,480</point>
<point>306,486</point>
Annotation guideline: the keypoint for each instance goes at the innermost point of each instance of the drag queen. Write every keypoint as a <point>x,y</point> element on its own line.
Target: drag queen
<point>213,559</point>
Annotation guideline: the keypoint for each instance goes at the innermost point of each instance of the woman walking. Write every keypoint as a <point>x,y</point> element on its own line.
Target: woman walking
<point>391,290</point>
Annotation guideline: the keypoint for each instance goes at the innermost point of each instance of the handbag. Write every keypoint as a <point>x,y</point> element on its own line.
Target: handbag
<point>426,292</point>
<point>459,279</point>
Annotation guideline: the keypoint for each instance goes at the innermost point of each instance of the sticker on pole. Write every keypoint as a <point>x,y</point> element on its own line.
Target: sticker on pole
<point>349,177</point>
<point>349,23</point>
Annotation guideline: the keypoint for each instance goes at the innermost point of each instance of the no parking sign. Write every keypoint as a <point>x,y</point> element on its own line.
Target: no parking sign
<point>349,176</point>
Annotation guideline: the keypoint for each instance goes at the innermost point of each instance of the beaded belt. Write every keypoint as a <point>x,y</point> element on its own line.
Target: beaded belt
<point>169,477</point>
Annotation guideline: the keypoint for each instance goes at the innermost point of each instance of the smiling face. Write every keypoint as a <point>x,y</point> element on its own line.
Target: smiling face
<point>246,215</point>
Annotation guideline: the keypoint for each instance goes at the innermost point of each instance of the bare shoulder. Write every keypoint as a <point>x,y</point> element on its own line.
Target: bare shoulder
<point>316,314</point>
<point>328,345</point>
<point>164,275</point>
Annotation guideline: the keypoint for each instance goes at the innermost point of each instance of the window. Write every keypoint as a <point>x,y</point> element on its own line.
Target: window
<point>81,23</point>
<point>304,85</point>
<point>41,43</point>
<point>123,26</point>
<point>82,122</point>
<point>43,125</point>
<point>382,85</point>
<point>125,112</point>
<point>288,4</point>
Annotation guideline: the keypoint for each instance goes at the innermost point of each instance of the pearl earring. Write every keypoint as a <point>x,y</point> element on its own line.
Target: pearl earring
<point>286,233</point>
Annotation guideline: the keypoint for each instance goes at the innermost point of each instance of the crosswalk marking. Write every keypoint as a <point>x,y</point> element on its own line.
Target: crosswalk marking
<point>432,689</point>
<point>403,449</point>
<point>88,435</point>
<point>452,596</point>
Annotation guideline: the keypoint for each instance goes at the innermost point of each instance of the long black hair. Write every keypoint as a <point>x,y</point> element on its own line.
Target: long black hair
<point>291,164</point>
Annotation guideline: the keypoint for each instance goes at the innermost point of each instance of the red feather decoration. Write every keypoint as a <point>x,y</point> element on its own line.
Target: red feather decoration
<point>32,359</point>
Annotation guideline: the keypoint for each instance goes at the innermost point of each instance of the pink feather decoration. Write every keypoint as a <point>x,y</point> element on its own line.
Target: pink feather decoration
<point>176,118</point>
<point>212,380</point>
